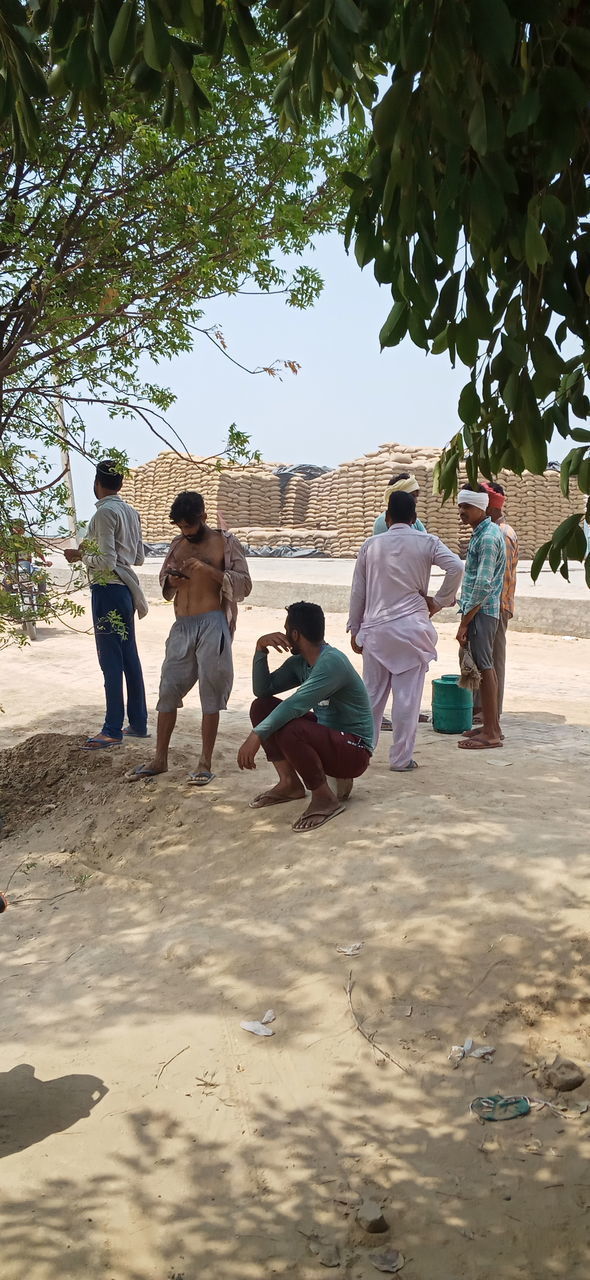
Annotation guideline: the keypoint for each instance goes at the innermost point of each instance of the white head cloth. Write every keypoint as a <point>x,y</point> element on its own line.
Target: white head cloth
<point>409,485</point>
<point>473,499</point>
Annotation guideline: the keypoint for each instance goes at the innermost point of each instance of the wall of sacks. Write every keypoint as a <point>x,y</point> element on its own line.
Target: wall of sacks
<point>334,512</point>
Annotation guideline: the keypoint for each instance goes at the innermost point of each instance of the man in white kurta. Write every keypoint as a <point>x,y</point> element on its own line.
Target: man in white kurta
<point>390,611</point>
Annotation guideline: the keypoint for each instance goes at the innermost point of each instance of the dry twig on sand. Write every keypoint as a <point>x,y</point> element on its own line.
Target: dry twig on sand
<point>167,1064</point>
<point>369,1038</point>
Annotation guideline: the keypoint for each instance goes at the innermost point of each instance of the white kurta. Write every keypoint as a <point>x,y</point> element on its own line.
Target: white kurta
<point>389,618</point>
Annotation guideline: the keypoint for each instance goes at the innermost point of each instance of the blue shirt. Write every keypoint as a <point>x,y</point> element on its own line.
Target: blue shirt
<point>380,525</point>
<point>484,570</point>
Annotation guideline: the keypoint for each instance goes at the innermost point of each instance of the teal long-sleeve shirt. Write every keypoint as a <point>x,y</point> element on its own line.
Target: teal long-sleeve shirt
<point>332,689</point>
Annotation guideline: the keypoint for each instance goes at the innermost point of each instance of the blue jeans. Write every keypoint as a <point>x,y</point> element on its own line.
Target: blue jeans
<point>118,657</point>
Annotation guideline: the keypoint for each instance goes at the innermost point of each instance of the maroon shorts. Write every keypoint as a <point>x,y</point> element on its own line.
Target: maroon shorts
<point>312,749</point>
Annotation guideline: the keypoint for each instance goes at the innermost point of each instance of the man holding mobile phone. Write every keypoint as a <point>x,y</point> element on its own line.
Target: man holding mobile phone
<point>206,575</point>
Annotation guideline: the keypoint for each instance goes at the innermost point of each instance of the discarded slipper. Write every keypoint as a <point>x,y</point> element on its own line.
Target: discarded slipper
<point>101,744</point>
<point>496,1107</point>
<point>317,820</point>
<point>201,778</point>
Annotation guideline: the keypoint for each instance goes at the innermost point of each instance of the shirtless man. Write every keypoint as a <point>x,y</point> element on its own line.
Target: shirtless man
<point>206,574</point>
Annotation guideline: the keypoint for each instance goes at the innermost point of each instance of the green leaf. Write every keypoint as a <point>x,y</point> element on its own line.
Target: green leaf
<point>564,531</point>
<point>477,127</point>
<point>535,248</point>
<point>580,433</point>
<point>494,30</point>
<point>341,56</point>
<point>577,547</point>
<point>525,113</point>
<point>441,342</point>
<point>396,325</point>
<point>478,311</point>
<point>539,560</point>
<point>119,41</point>
<point>583,476</point>
<point>391,111</point>
<point>156,38</point>
<point>469,404</point>
<point>248,29</point>
<point>577,42</point>
<point>514,351</point>
<point>467,343</point>
<point>77,68</point>
<point>552,212</point>
<point>449,296</point>
<point>349,15</point>
<point>240,51</point>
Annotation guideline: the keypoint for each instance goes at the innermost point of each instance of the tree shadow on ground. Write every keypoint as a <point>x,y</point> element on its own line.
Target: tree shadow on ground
<point>471,901</point>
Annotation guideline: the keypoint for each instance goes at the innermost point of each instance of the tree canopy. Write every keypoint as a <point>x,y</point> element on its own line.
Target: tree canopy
<point>472,204</point>
<point>113,245</point>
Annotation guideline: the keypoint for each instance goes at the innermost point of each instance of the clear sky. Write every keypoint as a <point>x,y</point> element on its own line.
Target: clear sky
<point>347,399</point>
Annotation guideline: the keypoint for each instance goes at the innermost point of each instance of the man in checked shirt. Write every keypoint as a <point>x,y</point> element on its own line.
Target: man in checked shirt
<point>496,513</point>
<point>479,604</point>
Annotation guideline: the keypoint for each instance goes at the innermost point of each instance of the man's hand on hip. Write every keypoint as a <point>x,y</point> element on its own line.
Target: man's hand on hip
<point>248,751</point>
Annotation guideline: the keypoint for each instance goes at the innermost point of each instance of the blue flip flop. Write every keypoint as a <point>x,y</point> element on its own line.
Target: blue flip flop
<point>143,771</point>
<point>101,744</point>
<point>131,733</point>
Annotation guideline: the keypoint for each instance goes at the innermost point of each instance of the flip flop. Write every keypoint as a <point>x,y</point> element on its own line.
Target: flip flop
<point>407,767</point>
<point>323,818</point>
<point>476,732</point>
<point>143,771</point>
<point>496,1107</point>
<point>130,733</point>
<point>101,744</point>
<point>265,801</point>
<point>476,744</point>
<point>201,778</point>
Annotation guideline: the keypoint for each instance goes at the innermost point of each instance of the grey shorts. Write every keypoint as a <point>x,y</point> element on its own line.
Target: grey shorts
<point>198,649</point>
<point>481,634</point>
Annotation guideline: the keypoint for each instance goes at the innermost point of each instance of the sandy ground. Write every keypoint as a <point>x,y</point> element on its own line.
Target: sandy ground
<point>147,921</point>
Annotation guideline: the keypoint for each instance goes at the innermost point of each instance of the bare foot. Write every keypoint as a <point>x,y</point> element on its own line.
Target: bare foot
<point>344,787</point>
<point>316,816</point>
<point>281,794</point>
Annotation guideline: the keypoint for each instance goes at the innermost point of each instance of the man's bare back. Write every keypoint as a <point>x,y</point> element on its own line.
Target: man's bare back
<point>203,564</point>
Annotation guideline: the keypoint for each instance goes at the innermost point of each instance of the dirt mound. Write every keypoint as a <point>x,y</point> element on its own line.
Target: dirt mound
<point>46,771</point>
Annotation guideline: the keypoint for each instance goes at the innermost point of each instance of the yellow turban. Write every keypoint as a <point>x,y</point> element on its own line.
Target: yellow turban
<point>402,486</point>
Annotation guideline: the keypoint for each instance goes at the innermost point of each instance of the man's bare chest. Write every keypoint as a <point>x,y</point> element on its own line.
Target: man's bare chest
<point>210,551</point>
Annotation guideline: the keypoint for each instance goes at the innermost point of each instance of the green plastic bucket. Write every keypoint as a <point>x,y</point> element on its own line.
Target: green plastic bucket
<point>452,707</point>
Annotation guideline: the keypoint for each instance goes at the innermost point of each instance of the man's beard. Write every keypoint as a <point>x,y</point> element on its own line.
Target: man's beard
<point>196,537</point>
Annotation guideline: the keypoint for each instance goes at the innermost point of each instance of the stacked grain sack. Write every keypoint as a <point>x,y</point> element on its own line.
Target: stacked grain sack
<point>250,496</point>
<point>321,502</point>
<point>295,500</point>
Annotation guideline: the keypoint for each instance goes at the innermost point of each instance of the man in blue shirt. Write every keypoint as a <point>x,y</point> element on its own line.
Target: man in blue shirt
<point>325,728</point>
<point>480,609</point>
<point>406,483</point>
